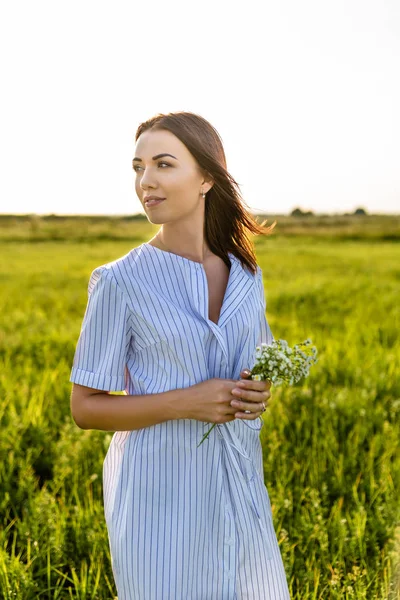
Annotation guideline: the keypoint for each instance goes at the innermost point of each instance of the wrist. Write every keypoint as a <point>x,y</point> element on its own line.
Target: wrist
<point>177,403</point>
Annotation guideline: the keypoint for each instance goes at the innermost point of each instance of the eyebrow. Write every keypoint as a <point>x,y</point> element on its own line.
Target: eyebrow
<point>155,157</point>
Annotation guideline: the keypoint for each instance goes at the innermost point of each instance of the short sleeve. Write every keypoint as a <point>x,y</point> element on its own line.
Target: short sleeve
<point>265,336</point>
<point>101,351</point>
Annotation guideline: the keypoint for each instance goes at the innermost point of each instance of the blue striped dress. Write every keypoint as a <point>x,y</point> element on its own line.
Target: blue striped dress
<point>184,522</point>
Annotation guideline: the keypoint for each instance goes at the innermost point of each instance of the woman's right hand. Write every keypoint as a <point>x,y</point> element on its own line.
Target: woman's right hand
<point>210,401</point>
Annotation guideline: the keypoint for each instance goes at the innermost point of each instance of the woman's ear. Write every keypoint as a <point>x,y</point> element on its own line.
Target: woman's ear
<point>207,179</point>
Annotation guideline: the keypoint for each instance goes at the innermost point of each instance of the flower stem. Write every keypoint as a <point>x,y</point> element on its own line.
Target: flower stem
<point>206,435</point>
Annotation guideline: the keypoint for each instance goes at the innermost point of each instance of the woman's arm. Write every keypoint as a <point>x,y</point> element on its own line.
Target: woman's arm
<point>95,409</point>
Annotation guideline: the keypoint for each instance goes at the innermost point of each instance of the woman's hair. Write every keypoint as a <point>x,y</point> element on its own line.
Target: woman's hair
<point>226,219</point>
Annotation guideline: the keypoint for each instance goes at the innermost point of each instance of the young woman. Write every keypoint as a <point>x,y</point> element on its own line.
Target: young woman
<point>175,323</point>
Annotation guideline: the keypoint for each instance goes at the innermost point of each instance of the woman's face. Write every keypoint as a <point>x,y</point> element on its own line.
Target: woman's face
<point>176,178</point>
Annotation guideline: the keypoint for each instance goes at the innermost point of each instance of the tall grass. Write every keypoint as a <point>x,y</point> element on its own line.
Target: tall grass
<point>331,443</point>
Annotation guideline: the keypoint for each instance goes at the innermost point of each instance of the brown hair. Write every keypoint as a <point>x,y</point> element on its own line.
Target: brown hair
<point>226,219</point>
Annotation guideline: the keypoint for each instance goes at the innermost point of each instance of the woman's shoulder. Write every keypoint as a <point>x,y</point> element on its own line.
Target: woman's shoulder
<point>120,271</point>
<point>123,266</point>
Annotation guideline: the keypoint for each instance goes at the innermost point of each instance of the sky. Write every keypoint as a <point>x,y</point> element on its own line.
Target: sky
<point>305,96</point>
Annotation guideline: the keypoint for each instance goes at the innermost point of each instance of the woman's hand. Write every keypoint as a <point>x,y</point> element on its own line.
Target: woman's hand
<point>209,401</point>
<point>249,395</point>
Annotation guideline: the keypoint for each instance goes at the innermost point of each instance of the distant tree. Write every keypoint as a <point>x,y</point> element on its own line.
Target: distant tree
<point>360,211</point>
<point>297,212</point>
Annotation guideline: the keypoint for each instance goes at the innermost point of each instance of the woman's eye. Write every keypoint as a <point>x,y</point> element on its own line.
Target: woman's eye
<point>135,167</point>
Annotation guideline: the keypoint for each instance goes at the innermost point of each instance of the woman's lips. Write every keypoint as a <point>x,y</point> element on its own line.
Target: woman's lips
<point>151,203</point>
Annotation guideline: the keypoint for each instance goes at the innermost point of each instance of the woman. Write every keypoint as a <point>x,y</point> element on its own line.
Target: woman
<point>173,323</point>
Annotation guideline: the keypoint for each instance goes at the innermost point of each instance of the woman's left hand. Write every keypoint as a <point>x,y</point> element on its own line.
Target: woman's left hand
<point>249,395</point>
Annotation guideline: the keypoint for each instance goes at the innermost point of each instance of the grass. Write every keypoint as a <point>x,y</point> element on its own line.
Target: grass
<point>331,443</point>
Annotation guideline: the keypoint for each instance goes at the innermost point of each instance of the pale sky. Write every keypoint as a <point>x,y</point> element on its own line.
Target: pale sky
<point>305,95</point>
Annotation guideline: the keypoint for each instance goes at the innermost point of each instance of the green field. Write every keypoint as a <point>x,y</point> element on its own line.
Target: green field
<point>331,442</point>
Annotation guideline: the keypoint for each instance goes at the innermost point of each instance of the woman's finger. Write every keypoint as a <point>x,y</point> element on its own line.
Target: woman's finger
<point>241,406</point>
<point>245,373</point>
<point>254,385</point>
<point>251,396</point>
<point>250,416</point>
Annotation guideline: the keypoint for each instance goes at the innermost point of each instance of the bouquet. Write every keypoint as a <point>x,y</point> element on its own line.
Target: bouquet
<point>281,364</point>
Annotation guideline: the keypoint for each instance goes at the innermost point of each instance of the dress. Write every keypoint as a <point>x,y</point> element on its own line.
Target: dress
<point>184,522</point>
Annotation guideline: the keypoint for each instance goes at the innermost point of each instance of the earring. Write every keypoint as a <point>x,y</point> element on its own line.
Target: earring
<point>203,195</point>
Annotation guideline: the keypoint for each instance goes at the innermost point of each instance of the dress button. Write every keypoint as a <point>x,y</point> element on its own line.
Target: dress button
<point>230,542</point>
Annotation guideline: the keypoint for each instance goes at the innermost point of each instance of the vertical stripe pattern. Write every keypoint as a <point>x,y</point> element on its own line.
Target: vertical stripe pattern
<point>184,522</point>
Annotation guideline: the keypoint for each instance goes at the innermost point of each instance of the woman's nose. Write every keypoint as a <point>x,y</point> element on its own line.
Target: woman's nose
<point>146,180</point>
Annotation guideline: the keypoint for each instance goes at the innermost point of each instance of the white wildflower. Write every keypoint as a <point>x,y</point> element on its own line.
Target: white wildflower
<point>281,364</point>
